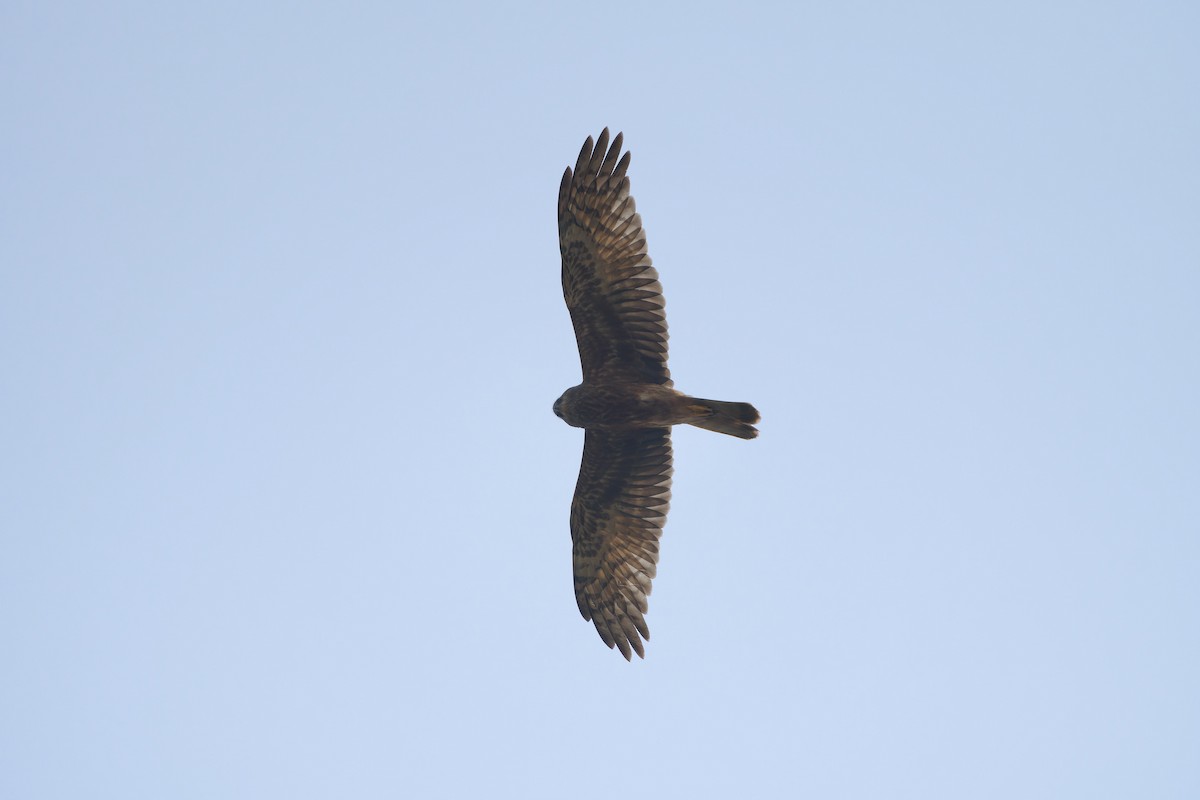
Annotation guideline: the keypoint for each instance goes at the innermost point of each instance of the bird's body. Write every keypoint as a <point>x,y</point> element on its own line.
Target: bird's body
<point>624,406</point>
<point>627,402</point>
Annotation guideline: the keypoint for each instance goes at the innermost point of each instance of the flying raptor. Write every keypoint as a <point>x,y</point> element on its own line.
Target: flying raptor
<point>627,402</point>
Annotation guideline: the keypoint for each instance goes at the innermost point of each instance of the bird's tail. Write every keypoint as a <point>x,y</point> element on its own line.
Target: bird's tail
<point>735,419</point>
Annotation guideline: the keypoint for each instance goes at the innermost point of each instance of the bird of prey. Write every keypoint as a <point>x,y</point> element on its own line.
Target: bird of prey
<point>627,402</point>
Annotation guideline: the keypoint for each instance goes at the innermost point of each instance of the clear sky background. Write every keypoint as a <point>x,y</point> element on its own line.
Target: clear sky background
<point>284,506</point>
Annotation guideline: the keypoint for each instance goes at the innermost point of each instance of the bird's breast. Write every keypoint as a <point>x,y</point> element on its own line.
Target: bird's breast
<point>620,406</point>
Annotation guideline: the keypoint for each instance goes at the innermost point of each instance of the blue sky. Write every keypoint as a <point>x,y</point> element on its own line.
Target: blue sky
<point>283,506</point>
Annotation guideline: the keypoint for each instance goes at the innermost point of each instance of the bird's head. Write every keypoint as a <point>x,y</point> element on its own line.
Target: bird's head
<point>558,405</point>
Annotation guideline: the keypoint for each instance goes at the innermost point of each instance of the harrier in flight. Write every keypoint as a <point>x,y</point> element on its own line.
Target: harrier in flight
<point>626,402</point>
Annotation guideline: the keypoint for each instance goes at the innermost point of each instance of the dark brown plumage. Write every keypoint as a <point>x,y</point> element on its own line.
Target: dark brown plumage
<point>627,402</point>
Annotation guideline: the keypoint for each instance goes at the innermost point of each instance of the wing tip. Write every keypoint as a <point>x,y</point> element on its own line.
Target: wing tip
<point>585,155</point>
<point>598,157</point>
<point>621,632</point>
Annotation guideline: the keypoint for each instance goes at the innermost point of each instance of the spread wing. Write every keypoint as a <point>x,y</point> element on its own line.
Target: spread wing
<point>617,516</point>
<point>610,286</point>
